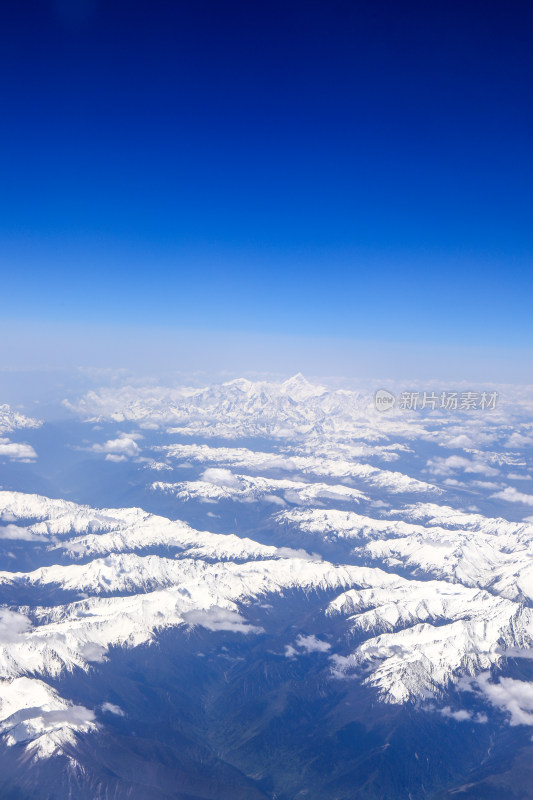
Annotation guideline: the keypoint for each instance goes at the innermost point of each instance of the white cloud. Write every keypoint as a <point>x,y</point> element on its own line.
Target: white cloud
<point>517,652</point>
<point>447,466</point>
<point>460,441</point>
<point>462,715</point>
<point>22,534</point>
<point>220,619</point>
<point>16,451</point>
<point>289,552</point>
<point>512,495</point>
<point>221,477</point>
<point>273,498</point>
<point>32,712</point>
<point>32,724</point>
<point>112,709</point>
<point>124,446</point>
<point>306,644</point>
<point>509,695</point>
<point>292,496</point>
<point>12,625</point>
<point>93,652</point>
<point>311,644</point>
<point>519,440</point>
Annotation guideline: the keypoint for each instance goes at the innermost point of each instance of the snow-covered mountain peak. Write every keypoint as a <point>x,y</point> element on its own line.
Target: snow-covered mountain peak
<point>300,389</point>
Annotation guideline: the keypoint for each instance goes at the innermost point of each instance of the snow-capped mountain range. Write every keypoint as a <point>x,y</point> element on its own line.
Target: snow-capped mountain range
<point>405,535</point>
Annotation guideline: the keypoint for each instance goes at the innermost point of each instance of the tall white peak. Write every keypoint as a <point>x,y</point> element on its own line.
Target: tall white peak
<point>299,388</point>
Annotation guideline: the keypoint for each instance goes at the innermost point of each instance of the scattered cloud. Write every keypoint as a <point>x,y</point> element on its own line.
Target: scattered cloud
<point>220,619</point>
<point>462,715</point>
<point>22,534</point>
<point>459,442</point>
<point>273,498</point>
<point>447,466</point>
<point>512,495</point>
<point>221,477</point>
<point>30,724</point>
<point>311,644</point>
<point>112,709</point>
<point>93,652</point>
<point>13,626</point>
<point>119,449</point>
<point>16,451</point>
<point>306,644</point>
<point>519,440</point>
<point>289,552</point>
<point>510,696</point>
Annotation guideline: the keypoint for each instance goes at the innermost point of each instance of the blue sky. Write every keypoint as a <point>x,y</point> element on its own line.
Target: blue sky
<point>329,170</point>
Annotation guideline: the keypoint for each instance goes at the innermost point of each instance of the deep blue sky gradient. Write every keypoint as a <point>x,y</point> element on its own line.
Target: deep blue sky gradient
<point>315,168</point>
